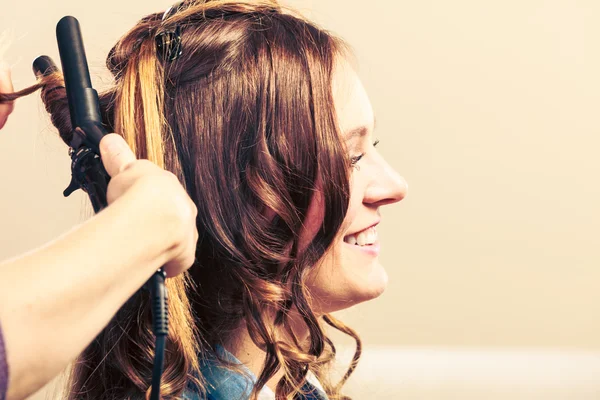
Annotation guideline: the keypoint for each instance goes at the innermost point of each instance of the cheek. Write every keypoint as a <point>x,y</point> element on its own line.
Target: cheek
<point>312,222</point>
<point>315,214</point>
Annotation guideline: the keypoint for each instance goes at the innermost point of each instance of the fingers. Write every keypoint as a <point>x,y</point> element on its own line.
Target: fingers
<point>5,87</point>
<point>116,154</point>
<point>187,254</point>
<point>186,259</point>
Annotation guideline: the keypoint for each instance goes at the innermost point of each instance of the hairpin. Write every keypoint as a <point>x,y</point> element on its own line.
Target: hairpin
<point>168,42</point>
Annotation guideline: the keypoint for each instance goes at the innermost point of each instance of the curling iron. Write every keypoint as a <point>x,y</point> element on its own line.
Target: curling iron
<point>87,171</point>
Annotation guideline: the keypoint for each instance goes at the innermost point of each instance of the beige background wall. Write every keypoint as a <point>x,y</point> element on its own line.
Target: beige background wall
<point>490,109</point>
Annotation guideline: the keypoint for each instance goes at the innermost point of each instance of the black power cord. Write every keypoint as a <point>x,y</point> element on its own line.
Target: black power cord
<point>160,327</point>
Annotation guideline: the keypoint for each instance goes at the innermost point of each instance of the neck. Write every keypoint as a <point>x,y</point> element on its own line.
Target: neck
<point>244,349</point>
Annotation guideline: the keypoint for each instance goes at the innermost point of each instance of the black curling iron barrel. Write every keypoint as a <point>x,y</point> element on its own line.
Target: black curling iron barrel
<point>83,99</point>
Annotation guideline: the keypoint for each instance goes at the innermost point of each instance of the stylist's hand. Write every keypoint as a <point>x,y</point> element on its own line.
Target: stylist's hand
<point>5,87</point>
<point>151,185</point>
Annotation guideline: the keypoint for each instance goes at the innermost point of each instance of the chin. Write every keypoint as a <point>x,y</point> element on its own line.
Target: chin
<point>343,292</point>
<point>371,285</point>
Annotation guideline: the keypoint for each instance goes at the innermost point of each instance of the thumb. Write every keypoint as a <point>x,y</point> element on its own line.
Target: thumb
<point>5,87</point>
<point>116,154</point>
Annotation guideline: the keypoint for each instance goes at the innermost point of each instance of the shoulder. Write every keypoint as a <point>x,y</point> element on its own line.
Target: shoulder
<point>223,383</point>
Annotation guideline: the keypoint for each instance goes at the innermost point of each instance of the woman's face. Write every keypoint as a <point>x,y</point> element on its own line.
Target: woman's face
<point>350,272</point>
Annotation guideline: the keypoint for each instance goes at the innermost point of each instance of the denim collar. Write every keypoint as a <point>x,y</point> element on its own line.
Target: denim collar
<point>225,384</point>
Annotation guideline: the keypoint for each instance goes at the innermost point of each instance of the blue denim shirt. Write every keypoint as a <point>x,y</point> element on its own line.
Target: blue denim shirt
<point>224,384</point>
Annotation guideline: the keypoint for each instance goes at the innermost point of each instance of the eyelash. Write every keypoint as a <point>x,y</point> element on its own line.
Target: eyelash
<point>354,160</point>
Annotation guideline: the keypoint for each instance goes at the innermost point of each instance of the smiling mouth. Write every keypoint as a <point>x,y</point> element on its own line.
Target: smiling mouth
<point>365,237</point>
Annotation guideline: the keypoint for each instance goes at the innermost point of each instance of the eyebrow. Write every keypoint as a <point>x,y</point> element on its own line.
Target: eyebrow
<point>358,132</point>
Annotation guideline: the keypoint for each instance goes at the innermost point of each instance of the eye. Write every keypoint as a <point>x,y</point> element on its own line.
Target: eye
<point>354,160</point>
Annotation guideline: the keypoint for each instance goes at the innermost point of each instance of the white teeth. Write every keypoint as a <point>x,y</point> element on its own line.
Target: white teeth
<point>361,239</point>
<point>350,239</point>
<point>366,237</point>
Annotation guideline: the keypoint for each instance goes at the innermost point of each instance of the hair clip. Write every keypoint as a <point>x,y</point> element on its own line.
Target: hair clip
<point>168,42</point>
<point>173,10</point>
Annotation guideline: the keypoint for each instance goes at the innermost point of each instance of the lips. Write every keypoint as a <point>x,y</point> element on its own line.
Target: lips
<point>372,225</point>
<point>364,237</point>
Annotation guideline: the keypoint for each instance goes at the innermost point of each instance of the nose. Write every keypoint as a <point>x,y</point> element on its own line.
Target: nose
<point>387,186</point>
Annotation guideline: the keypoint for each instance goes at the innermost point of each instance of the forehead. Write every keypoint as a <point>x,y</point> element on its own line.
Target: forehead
<point>352,104</point>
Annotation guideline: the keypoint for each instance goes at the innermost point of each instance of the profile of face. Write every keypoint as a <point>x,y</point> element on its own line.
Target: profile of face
<point>350,272</point>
